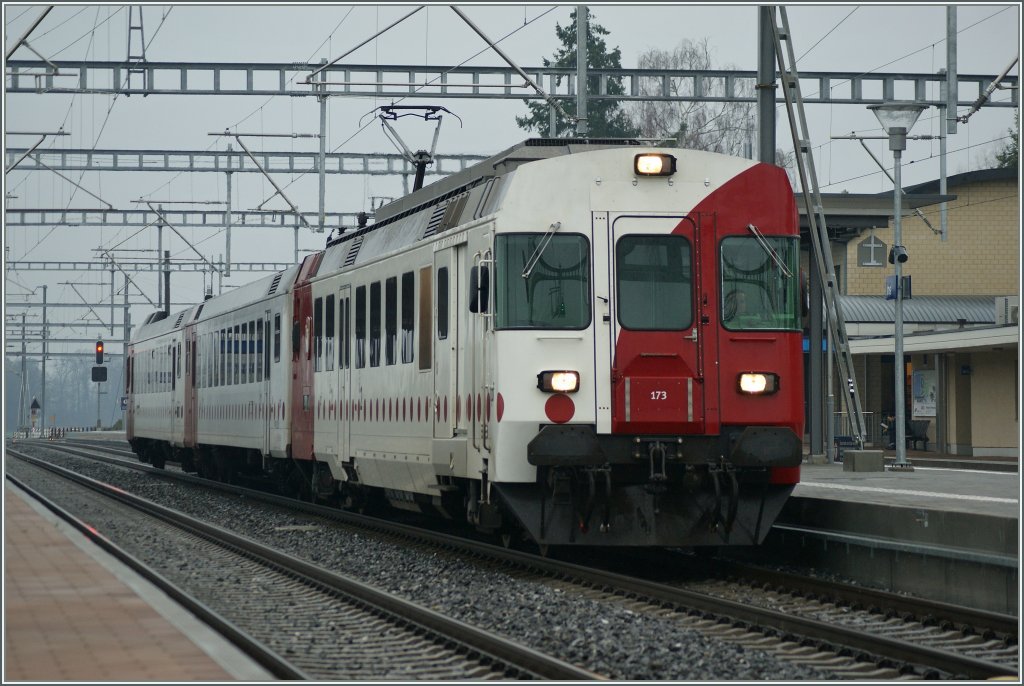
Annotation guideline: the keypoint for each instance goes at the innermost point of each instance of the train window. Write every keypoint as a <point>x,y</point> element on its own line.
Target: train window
<point>225,356</point>
<point>253,357</point>
<point>375,324</point>
<point>318,333</point>
<point>266,350</point>
<point>229,358</point>
<point>260,357</point>
<point>426,310</point>
<point>654,283</point>
<point>246,354</point>
<point>442,303</point>
<point>408,316</point>
<point>360,327</point>
<point>236,356</point>
<point>277,337</point>
<point>555,291</point>
<point>329,332</point>
<point>221,357</point>
<point>390,319</point>
<point>174,367</point>
<point>760,287</point>
<point>343,332</point>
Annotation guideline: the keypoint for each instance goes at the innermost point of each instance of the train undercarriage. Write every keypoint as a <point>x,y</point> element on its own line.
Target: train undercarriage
<point>658,497</point>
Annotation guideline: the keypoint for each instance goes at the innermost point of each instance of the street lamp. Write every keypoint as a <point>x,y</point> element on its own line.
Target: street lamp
<point>897,118</point>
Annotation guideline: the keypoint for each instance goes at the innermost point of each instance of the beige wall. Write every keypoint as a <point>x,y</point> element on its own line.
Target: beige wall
<point>995,403</point>
<point>980,257</point>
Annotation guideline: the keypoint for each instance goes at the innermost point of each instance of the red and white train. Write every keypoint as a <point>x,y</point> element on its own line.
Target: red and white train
<point>590,343</point>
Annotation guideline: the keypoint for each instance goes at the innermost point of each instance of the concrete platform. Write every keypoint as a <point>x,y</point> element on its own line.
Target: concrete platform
<point>73,612</point>
<point>947,534</point>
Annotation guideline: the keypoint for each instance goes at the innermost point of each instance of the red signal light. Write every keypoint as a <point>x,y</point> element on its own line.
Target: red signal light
<point>99,352</point>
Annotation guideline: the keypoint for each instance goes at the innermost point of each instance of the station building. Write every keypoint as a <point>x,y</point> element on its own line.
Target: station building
<point>961,324</point>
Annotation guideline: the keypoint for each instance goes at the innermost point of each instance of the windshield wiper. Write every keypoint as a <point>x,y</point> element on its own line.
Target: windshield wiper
<point>541,247</point>
<point>763,242</point>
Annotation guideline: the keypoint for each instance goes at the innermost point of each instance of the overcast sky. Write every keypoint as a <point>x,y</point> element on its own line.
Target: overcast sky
<point>864,38</point>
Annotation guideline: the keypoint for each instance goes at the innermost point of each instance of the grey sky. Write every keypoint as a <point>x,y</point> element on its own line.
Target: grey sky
<point>908,39</point>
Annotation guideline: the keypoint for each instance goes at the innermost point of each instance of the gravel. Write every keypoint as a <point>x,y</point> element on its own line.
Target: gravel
<point>605,636</point>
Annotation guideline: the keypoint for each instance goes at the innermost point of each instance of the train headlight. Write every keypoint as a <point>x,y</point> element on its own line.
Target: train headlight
<point>654,164</point>
<point>758,383</point>
<point>558,382</point>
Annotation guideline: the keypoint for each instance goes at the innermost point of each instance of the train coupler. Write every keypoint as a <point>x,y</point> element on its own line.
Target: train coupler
<point>658,477</point>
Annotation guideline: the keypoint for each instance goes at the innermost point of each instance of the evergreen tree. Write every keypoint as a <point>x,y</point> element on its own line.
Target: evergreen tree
<point>1008,156</point>
<point>605,118</point>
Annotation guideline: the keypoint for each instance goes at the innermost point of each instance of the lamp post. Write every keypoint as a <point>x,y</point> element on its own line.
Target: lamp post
<point>897,118</point>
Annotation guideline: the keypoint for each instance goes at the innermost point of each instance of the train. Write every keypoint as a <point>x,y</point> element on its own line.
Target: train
<point>572,343</point>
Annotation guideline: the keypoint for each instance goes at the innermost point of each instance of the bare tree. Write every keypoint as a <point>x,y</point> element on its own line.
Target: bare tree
<point>726,127</point>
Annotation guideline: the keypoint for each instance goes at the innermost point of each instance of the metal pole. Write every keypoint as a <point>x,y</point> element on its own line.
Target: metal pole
<point>582,126</point>
<point>112,294</point>
<point>159,252</point>
<point>952,89</point>
<point>815,389</point>
<point>227,221</point>
<point>900,372</point>
<point>42,390</point>
<point>98,420</point>
<point>766,87</point>
<point>323,142</point>
<point>295,252</point>
<point>24,379</point>
<point>167,282</point>
<point>127,331</point>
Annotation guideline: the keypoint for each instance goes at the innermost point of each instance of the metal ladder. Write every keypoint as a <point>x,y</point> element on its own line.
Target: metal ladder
<point>838,343</point>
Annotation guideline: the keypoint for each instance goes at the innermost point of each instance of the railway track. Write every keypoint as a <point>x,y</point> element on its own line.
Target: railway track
<point>850,631</point>
<point>372,635</point>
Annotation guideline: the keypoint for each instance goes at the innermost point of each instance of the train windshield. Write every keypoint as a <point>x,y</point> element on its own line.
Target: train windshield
<point>655,283</point>
<point>757,292</point>
<point>554,293</point>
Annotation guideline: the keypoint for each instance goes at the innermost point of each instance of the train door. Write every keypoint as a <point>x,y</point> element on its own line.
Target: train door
<point>344,370</point>
<point>266,392</point>
<point>655,325</point>
<point>189,391</point>
<point>448,301</point>
<point>303,400</point>
<point>129,390</point>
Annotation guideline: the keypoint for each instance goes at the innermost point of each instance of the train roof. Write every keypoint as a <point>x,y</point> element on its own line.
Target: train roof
<point>156,324</point>
<point>530,150</point>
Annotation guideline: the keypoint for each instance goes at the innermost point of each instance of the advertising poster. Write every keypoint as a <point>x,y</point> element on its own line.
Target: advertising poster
<point>925,392</point>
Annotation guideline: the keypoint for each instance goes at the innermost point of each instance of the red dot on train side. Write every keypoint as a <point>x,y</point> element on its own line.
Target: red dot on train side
<point>559,408</point>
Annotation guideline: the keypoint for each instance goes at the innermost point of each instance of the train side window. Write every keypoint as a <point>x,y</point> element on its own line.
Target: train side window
<point>229,358</point>
<point>277,337</point>
<point>390,319</point>
<point>318,334</point>
<point>442,303</point>
<point>329,332</point>
<point>246,354</point>
<point>236,354</point>
<point>253,355</point>
<point>260,357</point>
<point>375,324</point>
<point>408,316</point>
<point>360,327</point>
<point>174,368</point>
<point>343,333</point>
<point>426,311</point>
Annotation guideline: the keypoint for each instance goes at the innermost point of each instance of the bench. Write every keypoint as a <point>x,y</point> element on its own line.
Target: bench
<point>917,432</point>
